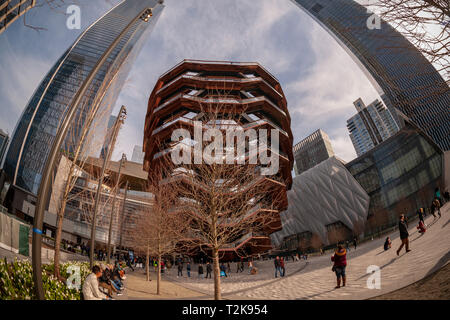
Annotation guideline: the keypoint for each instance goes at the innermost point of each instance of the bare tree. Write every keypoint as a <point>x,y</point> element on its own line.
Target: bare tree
<point>82,139</point>
<point>224,205</point>
<point>425,23</point>
<point>159,228</point>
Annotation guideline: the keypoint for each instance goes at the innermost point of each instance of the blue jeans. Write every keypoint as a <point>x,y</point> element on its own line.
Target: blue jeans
<point>277,269</point>
<point>115,286</point>
<point>189,273</point>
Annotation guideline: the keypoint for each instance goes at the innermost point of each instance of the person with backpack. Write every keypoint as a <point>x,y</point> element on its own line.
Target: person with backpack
<point>340,263</point>
<point>403,229</point>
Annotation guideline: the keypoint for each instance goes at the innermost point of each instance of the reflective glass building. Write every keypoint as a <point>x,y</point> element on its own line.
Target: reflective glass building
<point>37,127</point>
<point>399,175</point>
<point>400,73</point>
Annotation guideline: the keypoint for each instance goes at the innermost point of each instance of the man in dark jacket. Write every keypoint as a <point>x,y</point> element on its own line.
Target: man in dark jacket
<point>208,270</point>
<point>277,265</point>
<point>403,229</point>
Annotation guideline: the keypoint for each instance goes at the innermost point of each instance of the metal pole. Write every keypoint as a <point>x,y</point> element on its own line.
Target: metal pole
<point>44,187</point>
<point>119,121</point>
<point>112,208</point>
<point>123,213</point>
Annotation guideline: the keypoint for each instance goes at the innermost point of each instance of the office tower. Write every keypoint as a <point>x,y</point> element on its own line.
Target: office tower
<point>311,151</point>
<point>370,126</point>
<point>404,78</point>
<point>4,139</point>
<point>138,155</point>
<point>249,97</point>
<point>11,10</point>
<point>400,175</point>
<point>122,29</point>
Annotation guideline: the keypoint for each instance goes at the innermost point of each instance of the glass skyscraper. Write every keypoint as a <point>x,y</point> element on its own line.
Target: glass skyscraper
<point>38,125</point>
<point>370,126</point>
<point>399,175</point>
<point>405,79</point>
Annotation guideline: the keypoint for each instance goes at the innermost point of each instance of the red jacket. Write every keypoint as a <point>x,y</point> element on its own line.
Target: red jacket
<point>340,258</point>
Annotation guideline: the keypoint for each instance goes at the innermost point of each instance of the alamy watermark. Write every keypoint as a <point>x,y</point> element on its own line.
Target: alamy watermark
<point>374,20</point>
<point>241,146</point>
<point>74,19</point>
<point>74,280</point>
<point>374,280</point>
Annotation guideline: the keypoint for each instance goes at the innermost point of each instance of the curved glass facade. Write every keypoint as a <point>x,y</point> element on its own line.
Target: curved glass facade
<point>401,173</point>
<point>38,125</point>
<point>402,75</point>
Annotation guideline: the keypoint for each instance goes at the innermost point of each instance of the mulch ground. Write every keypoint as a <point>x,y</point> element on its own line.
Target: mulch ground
<point>436,286</point>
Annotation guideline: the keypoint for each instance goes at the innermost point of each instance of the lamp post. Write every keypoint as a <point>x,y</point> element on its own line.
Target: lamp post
<point>124,158</point>
<point>119,121</point>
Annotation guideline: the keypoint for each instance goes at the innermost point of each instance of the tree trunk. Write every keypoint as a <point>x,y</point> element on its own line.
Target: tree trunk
<point>217,295</point>
<point>158,282</point>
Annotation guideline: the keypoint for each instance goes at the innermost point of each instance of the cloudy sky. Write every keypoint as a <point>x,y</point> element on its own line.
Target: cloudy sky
<point>319,79</point>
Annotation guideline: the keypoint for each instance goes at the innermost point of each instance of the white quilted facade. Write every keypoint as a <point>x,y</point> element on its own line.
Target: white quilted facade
<point>320,196</point>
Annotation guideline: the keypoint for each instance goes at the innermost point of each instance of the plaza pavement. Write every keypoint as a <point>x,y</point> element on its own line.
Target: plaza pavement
<point>313,279</point>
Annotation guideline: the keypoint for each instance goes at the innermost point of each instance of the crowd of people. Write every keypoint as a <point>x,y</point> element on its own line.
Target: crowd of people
<point>104,282</point>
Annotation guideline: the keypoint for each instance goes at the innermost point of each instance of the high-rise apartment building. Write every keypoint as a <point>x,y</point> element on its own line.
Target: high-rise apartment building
<point>311,151</point>
<point>11,10</point>
<point>404,78</point>
<point>121,30</point>
<point>138,155</point>
<point>370,126</point>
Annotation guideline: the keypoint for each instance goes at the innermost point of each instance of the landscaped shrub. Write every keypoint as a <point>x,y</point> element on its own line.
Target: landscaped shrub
<point>16,281</point>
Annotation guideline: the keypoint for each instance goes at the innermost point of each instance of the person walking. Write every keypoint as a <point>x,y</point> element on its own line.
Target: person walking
<point>277,265</point>
<point>208,270</point>
<point>200,271</point>
<point>355,242</point>
<point>283,270</point>
<point>223,270</point>
<point>403,229</point>
<point>437,194</point>
<point>437,206</point>
<point>420,213</point>
<point>188,269</point>
<point>250,267</point>
<point>340,263</point>
<point>180,269</point>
